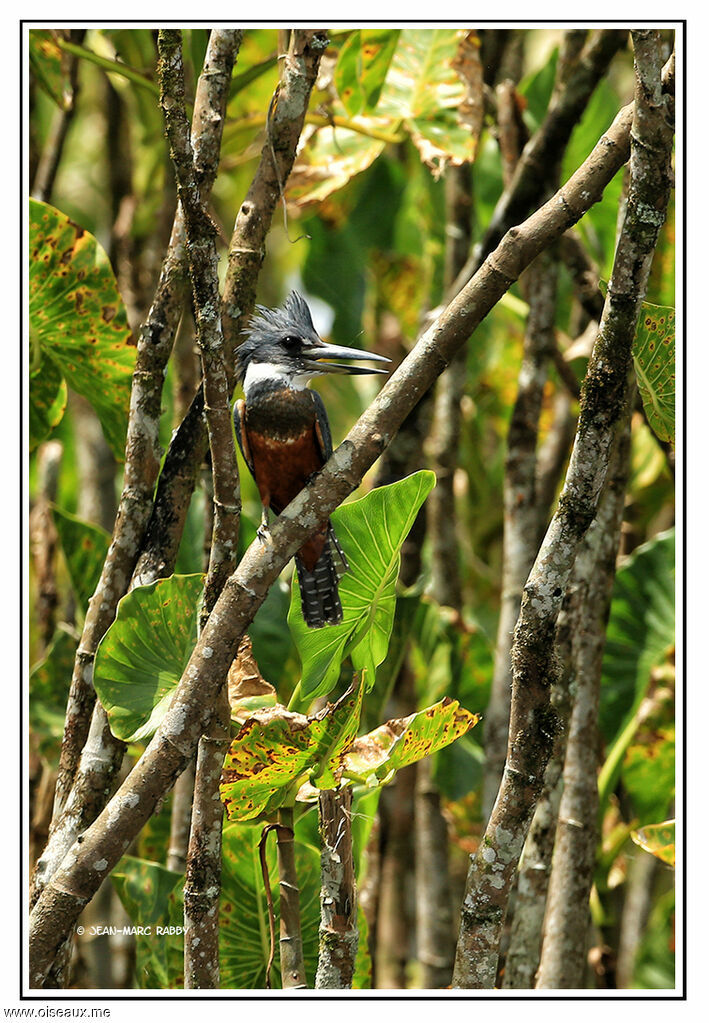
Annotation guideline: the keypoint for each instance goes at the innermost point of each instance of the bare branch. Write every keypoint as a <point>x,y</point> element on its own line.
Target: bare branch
<point>339,936</point>
<point>544,149</point>
<point>143,454</point>
<point>604,395</point>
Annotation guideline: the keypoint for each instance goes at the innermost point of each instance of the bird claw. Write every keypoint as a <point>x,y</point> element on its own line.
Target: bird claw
<point>264,533</point>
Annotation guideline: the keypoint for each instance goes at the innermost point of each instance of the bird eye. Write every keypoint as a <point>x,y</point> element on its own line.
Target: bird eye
<point>290,341</point>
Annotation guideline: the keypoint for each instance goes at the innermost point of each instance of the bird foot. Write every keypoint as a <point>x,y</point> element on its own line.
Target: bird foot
<point>264,534</point>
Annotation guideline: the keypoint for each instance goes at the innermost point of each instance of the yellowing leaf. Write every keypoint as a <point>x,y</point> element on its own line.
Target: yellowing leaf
<point>654,358</point>
<point>275,748</point>
<point>78,326</point>
<point>279,756</point>
<point>403,741</point>
<point>658,839</point>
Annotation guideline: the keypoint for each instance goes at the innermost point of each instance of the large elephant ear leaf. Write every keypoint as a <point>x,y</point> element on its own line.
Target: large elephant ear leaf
<point>140,660</point>
<point>79,333</point>
<point>371,532</point>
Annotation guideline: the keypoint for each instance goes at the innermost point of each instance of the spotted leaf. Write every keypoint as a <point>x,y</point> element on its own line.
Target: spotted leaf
<point>362,67</point>
<point>428,88</point>
<point>48,398</point>
<point>79,331</point>
<point>85,547</point>
<point>47,65</point>
<point>654,358</point>
<point>402,741</point>
<point>658,839</point>
<point>276,749</point>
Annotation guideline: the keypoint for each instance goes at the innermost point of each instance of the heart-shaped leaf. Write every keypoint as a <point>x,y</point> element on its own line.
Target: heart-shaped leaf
<point>243,912</point>
<point>371,532</point>
<point>141,658</point>
<point>78,320</point>
<point>152,897</point>
<point>641,630</point>
<point>49,689</point>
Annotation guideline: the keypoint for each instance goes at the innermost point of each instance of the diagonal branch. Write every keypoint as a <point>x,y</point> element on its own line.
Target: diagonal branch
<point>177,737</point>
<point>544,149</point>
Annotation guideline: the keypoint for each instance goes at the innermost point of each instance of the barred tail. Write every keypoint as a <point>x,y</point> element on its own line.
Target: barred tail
<point>319,595</point>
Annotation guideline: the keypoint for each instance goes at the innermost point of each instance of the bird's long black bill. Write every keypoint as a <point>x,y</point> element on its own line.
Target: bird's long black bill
<point>338,367</point>
<point>325,351</point>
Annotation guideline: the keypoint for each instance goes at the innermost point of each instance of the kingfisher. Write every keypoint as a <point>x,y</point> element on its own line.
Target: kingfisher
<point>284,435</point>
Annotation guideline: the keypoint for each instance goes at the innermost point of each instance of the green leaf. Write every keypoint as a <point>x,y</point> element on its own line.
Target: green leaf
<point>77,317</point>
<point>49,690</point>
<point>655,957</point>
<point>371,532</point>
<point>648,774</point>
<point>276,749</point>
<point>46,63</point>
<point>424,90</point>
<point>641,630</point>
<point>332,157</point>
<point>272,642</point>
<point>152,897</point>
<point>537,87</point>
<point>658,839</point>
<point>402,741</point>
<point>48,395</point>
<point>362,67</point>
<point>654,358</point>
<point>243,913</point>
<point>140,660</point>
<point>85,547</point>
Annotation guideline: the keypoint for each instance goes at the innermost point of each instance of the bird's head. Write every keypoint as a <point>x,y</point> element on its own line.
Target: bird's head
<point>283,345</point>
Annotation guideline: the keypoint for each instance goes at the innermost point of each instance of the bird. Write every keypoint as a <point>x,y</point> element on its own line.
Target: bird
<point>283,432</point>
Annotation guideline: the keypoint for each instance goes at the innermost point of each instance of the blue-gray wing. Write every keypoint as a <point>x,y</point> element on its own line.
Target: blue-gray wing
<point>322,427</point>
<point>240,430</point>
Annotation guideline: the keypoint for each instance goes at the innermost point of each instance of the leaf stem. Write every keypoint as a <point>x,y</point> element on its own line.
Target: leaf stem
<point>106,64</point>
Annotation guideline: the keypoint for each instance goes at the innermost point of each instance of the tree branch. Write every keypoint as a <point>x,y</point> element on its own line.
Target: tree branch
<point>246,253</point>
<point>177,737</point>
<point>75,810</point>
<point>604,394</point>
<point>544,149</point>
<point>563,954</point>
<point>339,936</point>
